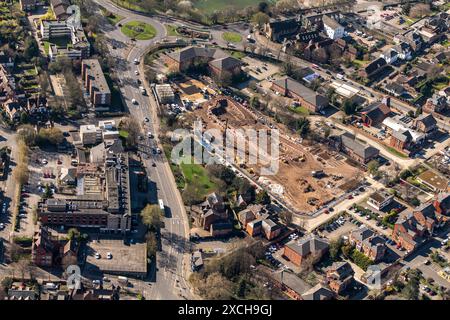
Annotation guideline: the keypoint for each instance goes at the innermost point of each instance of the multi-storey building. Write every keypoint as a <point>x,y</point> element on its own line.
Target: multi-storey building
<point>95,83</point>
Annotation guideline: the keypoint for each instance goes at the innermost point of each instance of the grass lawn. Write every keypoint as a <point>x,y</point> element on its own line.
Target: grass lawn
<point>409,21</point>
<point>232,37</point>
<point>138,30</point>
<point>237,54</point>
<point>209,6</point>
<point>359,63</point>
<point>300,110</point>
<point>195,174</point>
<point>396,152</point>
<point>171,30</point>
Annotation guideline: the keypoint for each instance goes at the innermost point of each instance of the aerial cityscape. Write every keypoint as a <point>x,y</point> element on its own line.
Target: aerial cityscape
<point>224,150</point>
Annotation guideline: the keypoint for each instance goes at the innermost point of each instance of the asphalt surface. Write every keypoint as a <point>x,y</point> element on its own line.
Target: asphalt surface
<point>173,260</point>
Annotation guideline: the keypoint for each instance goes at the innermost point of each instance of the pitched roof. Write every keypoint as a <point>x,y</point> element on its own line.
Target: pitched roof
<point>307,245</point>
<point>363,150</point>
<point>318,292</point>
<point>331,22</point>
<point>362,233</point>
<point>377,111</point>
<point>226,63</point>
<point>189,53</point>
<point>281,25</point>
<point>297,88</point>
<point>427,119</point>
<point>342,268</point>
<point>375,65</point>
<point>402,135</point>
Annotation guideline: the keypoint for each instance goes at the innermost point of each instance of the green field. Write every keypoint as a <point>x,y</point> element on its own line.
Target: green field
<point>232,37</point>
<point>138,30</point>
<point>209,6</point>
<point>195,174</point>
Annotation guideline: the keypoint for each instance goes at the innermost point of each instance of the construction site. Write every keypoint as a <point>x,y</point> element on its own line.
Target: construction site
<point>308,176</point>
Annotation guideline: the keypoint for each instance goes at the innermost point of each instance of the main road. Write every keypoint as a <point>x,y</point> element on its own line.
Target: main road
<point>173,260</point>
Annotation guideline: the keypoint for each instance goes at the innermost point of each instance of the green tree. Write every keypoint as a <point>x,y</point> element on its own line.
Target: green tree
<point>286,217</point>
<point>27,134</point>
<point>303,127</point>
<point>152,216</point>
<point>349,107</point>
<point>73,234</point>
<point>373,166</point>
<point>30,48</point>
<point>263,7</point>
<point>262,197</point>
<point>241,288</point>
<point>260,18</point>
<point>335,248</point>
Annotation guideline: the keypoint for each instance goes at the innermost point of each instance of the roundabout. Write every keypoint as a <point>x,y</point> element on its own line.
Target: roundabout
<point>138,30</point>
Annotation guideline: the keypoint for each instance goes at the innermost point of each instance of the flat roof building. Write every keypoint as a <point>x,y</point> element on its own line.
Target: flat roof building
<point>95,83</point>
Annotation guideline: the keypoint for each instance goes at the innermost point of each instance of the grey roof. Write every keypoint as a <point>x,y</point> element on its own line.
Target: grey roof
<point>362,150</point>
<point>427,119</point>
<point>292,281</point>
<point>318,292</point>
<point>282,25</point>
<point>226,63</point>
<point>307,94</point>
<point>376,243</point>
<point>391,52</point>
<point>377,111</point>
<point>95,72</point>
<point>307,245</point>
<point>331,22</point>
<point>192,52</point>
<point>402,135</point>
<point>375,65</point>
<point>342,268</point>
<point>362,233</point>
<point>395,87</point>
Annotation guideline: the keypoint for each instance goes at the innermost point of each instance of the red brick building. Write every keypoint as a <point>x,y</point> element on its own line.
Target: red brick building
<point>412,228</point>
<point>339,276</point>
<point>218,62</point>
<point>48,250</point>
<point>308,98</point>
<point>298,251</point>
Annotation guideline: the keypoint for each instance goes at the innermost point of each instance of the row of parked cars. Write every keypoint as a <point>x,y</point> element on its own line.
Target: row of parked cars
<point>336,224</point>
